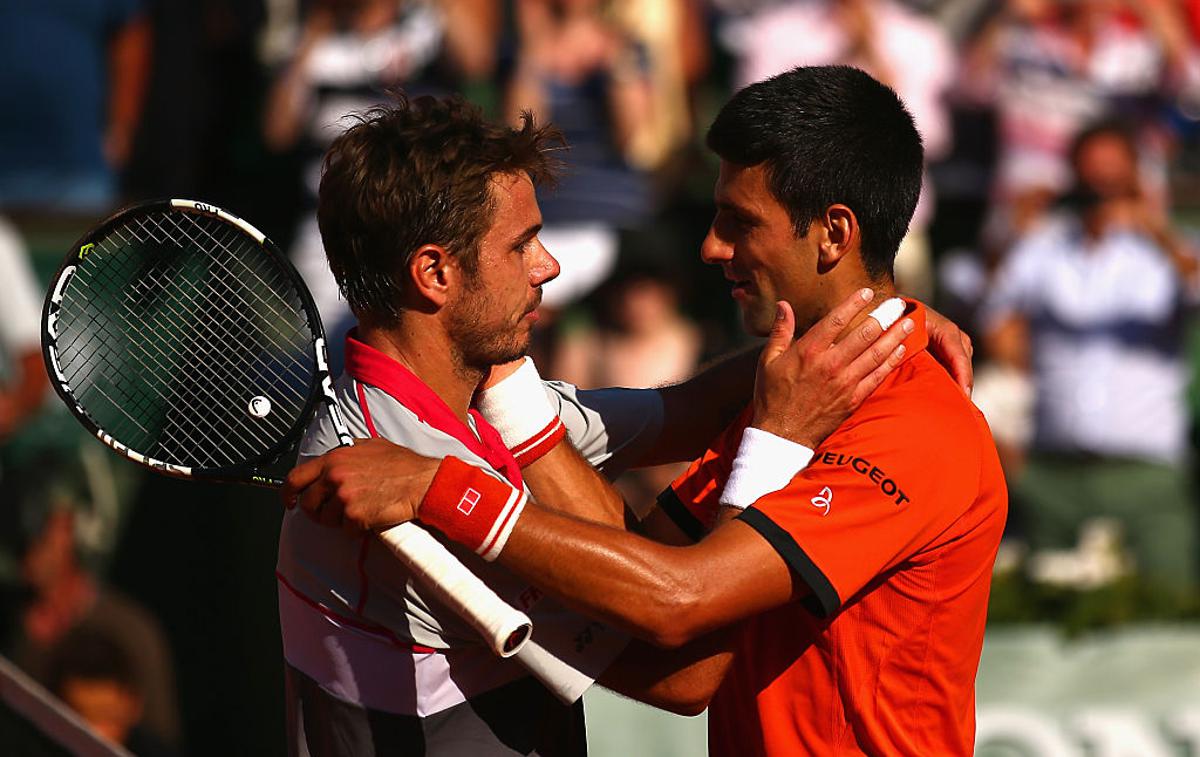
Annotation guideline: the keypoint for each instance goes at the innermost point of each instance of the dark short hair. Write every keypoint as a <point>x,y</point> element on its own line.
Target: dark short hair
<point>1106,127</point>
<point>91,653</point>
<point>830,134</point>
<point>414,172</point>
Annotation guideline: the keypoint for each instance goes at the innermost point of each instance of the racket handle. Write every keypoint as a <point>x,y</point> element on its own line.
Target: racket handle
<point>505,628</point>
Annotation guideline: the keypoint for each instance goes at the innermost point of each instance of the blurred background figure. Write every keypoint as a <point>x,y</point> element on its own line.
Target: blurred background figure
<point>901,47</point>
<point>345,56</point>
<point>612,74</point>
<point>23,382</point>
<point>1092,304</point>
<point>92,672</point>
<point>65,605</point>
<point>1049,67</point>
<point>639,338</point>
<point>72,80</point>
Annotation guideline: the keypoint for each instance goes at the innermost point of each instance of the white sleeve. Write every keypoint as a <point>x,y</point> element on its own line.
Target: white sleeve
<point>611,428</point>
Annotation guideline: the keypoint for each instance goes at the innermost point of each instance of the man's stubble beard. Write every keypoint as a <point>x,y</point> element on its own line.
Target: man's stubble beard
<point>478,343</point>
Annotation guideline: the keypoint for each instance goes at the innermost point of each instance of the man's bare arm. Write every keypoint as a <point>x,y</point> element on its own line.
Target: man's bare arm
<point>666,595</point>
<point>722,390</point>
<point>562,480</point>
<point>682,681</point>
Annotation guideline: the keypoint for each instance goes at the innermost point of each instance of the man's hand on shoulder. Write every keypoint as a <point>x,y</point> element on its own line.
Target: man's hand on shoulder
<point>806,388</point>
<point>373,484</point>
<point>951,347</point>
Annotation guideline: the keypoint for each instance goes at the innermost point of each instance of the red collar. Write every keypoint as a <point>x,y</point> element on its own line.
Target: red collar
<point>370,366</point>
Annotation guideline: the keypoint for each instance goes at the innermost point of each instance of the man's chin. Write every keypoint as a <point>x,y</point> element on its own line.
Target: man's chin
<point>757,323</point>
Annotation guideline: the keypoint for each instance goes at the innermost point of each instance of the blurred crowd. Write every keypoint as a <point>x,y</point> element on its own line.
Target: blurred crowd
<point>1057,225</point>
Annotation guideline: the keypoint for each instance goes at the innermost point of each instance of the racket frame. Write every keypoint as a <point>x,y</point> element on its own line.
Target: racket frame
<point>255,471</point>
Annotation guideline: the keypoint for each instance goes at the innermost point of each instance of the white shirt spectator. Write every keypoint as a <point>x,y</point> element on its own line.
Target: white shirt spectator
<point>1105,326</point>
<point>21,305</point>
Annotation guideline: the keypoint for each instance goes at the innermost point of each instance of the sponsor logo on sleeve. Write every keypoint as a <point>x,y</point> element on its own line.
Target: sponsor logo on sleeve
<point>863,467</point>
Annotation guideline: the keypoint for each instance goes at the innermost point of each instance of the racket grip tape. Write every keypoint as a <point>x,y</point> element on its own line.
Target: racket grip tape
<point>505,628</point>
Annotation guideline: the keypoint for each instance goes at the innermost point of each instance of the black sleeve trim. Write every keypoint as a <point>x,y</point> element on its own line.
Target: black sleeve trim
<point>669,503</point>
<point>827,602</point>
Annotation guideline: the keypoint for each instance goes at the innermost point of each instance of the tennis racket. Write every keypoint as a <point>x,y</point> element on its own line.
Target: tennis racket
<point>180,336</point>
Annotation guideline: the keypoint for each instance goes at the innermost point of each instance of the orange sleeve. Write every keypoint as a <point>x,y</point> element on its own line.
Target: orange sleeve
<point>873,496</point>
<point>691,501</point>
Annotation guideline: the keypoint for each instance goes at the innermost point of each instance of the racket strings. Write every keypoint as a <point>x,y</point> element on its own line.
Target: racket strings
<point>190,353</point>
<point>173,327</point>
<point>277,283</point>
<point>131,405</point>
<point>186,420</point>
<point>177,360</point>
<point>224,329</point>
<point>298,339</point>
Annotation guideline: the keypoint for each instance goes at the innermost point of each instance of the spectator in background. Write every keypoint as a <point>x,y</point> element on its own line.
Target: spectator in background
<point>1091,303</point>
<point>1049,68</point>
<point>92,673</point>
<point>23,381</point>
<point>580,68</point>
<point>640,339</point>
<point>348,53</point>
<point>65,599</point>
<point>72,78</point>
<point>902,48</point>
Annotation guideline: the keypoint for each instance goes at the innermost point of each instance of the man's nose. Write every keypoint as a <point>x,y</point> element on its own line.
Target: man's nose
<point>714,250</point>
<point>546,268</point>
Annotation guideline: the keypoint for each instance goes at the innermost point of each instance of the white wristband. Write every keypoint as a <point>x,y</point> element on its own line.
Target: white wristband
<point>765,463</point>
<point>518,408</point>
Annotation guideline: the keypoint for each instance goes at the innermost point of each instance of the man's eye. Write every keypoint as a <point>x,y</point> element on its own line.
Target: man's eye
<point>730,222</point>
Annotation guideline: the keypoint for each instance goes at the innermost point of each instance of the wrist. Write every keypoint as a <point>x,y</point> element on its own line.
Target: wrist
<point>789,435</point>
<point>518,408</point>
<point>471,507</point>
<point>765,463</point>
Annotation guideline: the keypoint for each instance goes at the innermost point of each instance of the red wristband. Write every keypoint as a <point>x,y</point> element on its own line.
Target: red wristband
<point>542,442</point>
<point>472,507</point>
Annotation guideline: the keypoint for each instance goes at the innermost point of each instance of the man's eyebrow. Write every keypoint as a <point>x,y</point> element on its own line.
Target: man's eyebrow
<point>732,207</point>
<point>526,235</point>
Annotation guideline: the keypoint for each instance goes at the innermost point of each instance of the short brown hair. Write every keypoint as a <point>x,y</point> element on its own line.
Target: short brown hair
<point>411,173</point>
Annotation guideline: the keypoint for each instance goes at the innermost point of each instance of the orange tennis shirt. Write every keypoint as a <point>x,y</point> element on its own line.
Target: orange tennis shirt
<point>894,527</point>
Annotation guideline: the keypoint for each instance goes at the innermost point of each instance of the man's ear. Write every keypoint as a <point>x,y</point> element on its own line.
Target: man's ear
<point>840,235</point>
<point>432,273</point>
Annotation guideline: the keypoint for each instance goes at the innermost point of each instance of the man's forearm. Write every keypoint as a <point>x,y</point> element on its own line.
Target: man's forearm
<point>698,409</point>
<point>561,480</point>
<point>667,595</point>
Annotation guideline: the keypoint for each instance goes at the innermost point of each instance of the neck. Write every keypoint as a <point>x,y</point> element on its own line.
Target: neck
<point>421,345</point>
<point>884,289</point>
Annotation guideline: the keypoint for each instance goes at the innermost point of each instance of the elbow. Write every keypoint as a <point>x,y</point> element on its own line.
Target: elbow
<point>672,620</point>
<point>688,706</point>
<point>688,698</point>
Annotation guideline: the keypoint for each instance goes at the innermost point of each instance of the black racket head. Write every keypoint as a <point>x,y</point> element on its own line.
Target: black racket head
<point>180,335</point>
